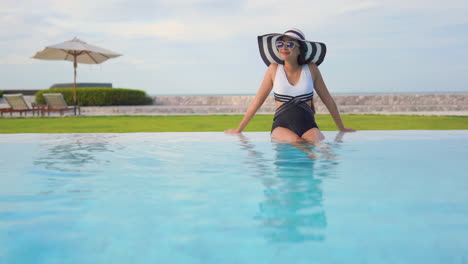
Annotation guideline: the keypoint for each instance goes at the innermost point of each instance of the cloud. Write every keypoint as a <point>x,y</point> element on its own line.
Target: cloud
<point>169,30</point>
<point>141,64</point>
<point>254,18</point>
<point>17,60</point>
<point>190,20</point>
<point>344,23</point>
<point>195,20</point>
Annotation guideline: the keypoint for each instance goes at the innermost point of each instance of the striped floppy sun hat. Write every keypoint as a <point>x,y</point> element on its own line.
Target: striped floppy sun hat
<point>266,43</point>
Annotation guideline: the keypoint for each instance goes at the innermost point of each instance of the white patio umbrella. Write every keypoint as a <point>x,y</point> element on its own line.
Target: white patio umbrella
<point>77,51</point>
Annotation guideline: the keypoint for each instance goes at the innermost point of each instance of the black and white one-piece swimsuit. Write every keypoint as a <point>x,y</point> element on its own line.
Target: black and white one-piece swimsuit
<point>294,114</point>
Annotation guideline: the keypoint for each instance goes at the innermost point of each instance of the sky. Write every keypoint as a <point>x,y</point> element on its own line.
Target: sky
<point>203,47</point>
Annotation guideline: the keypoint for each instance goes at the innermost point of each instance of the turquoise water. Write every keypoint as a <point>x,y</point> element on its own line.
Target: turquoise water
<point>366,197</point>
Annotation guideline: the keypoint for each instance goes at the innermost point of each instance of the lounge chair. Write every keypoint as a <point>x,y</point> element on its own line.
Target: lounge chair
<point>56,103</point>
<point>17,105</point>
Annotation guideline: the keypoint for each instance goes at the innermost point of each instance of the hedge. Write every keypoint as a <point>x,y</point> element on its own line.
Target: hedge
<point>1,93</point>
<point>99,96</point>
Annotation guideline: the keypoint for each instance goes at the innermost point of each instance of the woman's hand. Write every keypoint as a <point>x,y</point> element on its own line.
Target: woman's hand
<point>232,131</point>
<point>345,129</point>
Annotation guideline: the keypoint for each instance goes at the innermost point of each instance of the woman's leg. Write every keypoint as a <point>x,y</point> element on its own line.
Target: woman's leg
<point>313,135</point>
<point>286,135</point>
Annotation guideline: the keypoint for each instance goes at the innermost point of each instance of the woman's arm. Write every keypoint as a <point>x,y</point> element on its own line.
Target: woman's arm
<point>326,98</point>
<point>262,94</point>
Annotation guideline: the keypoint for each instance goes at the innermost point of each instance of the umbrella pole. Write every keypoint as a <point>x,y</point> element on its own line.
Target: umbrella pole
<point>74,83</point>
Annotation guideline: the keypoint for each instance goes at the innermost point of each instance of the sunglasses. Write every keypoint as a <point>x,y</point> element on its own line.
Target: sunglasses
<point>289,44</point>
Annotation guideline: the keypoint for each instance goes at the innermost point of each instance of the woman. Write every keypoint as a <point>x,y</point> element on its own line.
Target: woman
<point>293,75</point>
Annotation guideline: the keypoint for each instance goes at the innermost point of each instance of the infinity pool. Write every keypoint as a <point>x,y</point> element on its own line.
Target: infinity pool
<point>365,197</point>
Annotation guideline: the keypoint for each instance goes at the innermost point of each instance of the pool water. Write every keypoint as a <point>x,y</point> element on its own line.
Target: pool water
<point>365,197</point>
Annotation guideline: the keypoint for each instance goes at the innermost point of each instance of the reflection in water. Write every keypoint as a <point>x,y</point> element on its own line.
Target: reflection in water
<point>67,158</point>
<point>256,159</point>
<point>74,153</point>
<point>292,209</point>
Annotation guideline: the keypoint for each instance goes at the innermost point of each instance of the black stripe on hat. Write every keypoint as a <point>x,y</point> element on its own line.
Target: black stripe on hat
<point>296,33</point>
<point>322,53</point>
<point>314,52</point>
<point>262,52</point>
<point>319,57</point>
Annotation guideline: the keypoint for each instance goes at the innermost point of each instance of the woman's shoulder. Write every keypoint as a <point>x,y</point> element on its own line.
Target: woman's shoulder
<point>313,69</point>
<point>273,66</point>
<point>312,66</point>
<point>272,69</point>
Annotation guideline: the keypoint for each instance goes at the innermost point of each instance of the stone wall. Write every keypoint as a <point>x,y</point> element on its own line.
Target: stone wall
<point>417,104</point>
<point>386,99</point>
<point>346,103</point>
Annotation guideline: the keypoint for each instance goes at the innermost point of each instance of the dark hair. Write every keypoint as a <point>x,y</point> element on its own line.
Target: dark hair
<point>301,60</point>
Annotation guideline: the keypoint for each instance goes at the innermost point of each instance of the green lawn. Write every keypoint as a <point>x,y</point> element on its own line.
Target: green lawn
<point>121,124</point>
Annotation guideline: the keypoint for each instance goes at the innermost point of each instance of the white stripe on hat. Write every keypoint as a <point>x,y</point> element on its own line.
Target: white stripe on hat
<point>318,53</point>
<point>275,50</point>
<point>265,50</point>
<point>295,33</point>
<point>309,50</point>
